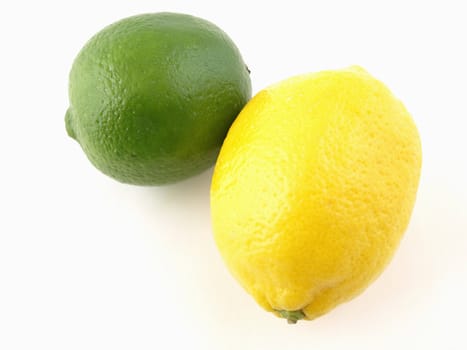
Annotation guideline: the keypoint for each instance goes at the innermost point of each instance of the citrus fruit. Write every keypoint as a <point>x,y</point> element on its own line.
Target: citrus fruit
<point>313,189</point>
<point>152,97</point>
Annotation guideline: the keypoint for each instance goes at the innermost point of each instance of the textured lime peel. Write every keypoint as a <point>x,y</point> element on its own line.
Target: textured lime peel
<point>291,316</point>
<point>152,97</point>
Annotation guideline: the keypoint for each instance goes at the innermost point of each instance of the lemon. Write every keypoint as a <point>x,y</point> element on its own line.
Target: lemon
<point>313,190</point>
<point>152,97</point>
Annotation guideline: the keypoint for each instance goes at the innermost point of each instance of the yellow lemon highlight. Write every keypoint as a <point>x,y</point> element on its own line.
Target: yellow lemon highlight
<point>313,190</point>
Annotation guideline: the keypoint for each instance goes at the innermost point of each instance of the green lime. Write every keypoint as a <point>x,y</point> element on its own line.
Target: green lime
<point>152,97</point>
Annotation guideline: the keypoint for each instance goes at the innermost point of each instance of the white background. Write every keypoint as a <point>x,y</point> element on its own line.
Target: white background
<point>89,263</point>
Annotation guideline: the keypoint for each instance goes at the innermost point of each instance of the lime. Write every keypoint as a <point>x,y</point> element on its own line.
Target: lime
<point>152,97</point>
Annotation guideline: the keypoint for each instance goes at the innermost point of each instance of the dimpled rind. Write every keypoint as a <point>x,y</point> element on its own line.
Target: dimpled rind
<point>314,188</point>
<point>152,97</point>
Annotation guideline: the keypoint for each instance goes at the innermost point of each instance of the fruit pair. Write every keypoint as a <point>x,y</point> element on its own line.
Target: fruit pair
<point>316,179</point>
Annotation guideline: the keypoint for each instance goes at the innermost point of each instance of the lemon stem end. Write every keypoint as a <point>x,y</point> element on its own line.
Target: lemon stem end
<point>292,316</point>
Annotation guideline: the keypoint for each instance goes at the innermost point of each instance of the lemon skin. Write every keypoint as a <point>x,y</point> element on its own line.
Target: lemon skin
<point>313,189</point>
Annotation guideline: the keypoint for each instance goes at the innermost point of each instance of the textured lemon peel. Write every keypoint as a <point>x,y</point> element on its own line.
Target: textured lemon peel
<point>351,227</point>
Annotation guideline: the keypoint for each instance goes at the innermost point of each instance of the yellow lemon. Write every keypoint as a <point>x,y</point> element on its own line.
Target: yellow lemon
<point>313,190</point>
